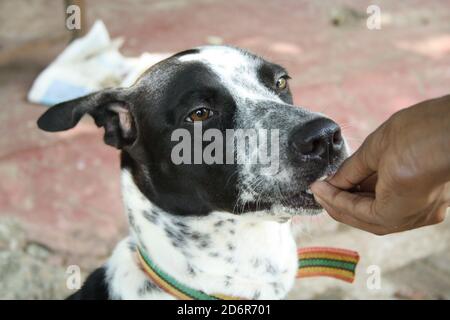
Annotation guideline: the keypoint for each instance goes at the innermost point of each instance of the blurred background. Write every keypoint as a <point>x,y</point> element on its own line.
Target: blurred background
<point>60,201</point>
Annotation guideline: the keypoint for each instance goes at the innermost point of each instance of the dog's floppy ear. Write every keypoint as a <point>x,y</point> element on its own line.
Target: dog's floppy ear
<point>109,109</point>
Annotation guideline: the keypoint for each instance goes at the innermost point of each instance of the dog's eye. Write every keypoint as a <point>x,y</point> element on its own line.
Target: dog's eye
<point>199,115</point>
<point>281,83</point>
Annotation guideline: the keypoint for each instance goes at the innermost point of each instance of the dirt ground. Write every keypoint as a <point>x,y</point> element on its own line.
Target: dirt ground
<point>59,193</point>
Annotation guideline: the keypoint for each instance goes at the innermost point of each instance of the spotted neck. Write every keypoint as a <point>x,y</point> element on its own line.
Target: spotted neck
<point>250,256</point>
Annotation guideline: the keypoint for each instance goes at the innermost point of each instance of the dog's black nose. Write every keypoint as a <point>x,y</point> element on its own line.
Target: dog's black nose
<point>320,137</point>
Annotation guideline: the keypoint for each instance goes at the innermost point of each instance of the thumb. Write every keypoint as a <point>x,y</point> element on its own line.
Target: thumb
<point>350,208</point>
<point>362,164</point>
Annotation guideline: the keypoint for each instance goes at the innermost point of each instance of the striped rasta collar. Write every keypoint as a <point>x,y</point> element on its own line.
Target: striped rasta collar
<point>313,261</point>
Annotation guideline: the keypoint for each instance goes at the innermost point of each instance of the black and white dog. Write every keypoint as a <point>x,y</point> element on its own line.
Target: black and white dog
<point>218,228</point>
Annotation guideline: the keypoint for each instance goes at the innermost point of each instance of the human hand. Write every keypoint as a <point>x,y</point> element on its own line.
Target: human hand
<point>399,179</point>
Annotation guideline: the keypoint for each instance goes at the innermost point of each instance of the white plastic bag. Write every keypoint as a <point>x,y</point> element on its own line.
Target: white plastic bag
<point>89,64</point>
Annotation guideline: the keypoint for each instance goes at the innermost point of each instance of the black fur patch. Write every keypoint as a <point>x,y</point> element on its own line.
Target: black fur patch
<point>201,188</point>
<point>147,287</point>
<point>185,52</point>
<point>94,288</point>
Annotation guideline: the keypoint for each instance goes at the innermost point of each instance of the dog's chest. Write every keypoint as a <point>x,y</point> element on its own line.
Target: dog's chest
<point>249,276</point>
<point>251,256</point>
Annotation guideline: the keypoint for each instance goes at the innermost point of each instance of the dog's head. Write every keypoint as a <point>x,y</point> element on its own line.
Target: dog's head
<point>275,152</point>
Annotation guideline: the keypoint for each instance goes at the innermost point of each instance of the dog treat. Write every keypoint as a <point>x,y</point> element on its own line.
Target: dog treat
<point>327,262</point>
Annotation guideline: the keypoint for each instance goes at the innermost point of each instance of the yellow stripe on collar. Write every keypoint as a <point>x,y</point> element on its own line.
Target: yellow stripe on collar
<point>327,262</point>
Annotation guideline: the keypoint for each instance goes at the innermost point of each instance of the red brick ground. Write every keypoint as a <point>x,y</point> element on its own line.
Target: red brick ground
<point>65,186</point>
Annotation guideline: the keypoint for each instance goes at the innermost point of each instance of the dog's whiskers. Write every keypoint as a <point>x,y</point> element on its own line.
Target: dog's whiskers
<point>250,188</point>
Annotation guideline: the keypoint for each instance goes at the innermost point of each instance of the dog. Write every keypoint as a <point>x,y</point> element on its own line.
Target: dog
<point>221,227</point>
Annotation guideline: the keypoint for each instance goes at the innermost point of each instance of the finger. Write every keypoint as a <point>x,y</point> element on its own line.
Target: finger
<point>438,215</point>
<point>417,222</point>
<point>352,221</point>
<point>345,203</point>
<point>359,166</point>
<point>366,186</point>
<point>369,184</point>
